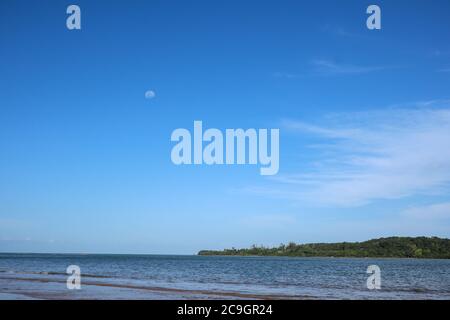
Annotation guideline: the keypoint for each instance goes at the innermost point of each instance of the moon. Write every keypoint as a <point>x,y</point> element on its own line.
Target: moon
<point>150,94</point>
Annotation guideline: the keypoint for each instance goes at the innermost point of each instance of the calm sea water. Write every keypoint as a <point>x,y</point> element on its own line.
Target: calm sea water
<point>42,276</point>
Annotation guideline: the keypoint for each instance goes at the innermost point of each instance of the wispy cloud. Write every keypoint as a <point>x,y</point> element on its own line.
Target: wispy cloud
<point>367,156</point>
<point>439,103</point>
<point>444,70</point>
<point>435,211</point>
<point>287,75</point>
<point>322,131</point>
<point>323,67</point>
<point>328,67</point>
<point>339,31</point>
<point>267,221</point>
<point>440,53</point>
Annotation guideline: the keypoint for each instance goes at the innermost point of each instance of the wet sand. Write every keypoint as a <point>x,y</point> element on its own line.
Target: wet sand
<point>56,289</point>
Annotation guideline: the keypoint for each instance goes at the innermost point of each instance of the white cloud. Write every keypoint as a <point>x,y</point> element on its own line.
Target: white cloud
<point>363,157</point>
<point>434,211</point>
<point>326,132</point>
<point>330,68</point>
<point>327,67</point>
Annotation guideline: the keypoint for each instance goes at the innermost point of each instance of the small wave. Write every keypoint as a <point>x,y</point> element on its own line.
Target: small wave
<point>416,290</point>
<point>53,273</point>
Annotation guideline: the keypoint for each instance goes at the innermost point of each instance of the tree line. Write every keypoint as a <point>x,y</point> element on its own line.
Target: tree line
<point>392,247</point>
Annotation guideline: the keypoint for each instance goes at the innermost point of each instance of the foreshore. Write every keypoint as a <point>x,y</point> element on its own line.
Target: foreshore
<point>55,289</point>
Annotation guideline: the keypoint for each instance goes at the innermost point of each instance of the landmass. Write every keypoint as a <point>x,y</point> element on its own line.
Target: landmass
<point>392,247</point>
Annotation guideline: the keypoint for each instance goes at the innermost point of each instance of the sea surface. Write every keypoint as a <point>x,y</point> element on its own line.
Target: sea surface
<point>43,276</point>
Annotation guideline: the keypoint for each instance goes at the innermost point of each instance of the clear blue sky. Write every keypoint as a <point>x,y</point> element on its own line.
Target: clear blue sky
<point>364,119</point>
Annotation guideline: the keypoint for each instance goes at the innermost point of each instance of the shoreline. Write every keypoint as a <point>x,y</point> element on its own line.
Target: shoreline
<point>206,293</point>
<point>209,255</point>
<point>317,257</point>
<point>387,247</point>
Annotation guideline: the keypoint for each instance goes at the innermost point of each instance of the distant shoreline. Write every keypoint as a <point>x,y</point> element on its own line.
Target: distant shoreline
<point>392,247</point>
<point>314,257</point>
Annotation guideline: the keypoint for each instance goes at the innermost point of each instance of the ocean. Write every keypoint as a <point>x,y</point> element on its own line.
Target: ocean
<point>105,276</point>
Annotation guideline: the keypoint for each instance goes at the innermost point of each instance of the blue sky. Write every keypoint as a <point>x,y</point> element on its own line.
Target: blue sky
<point>364,119</point>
